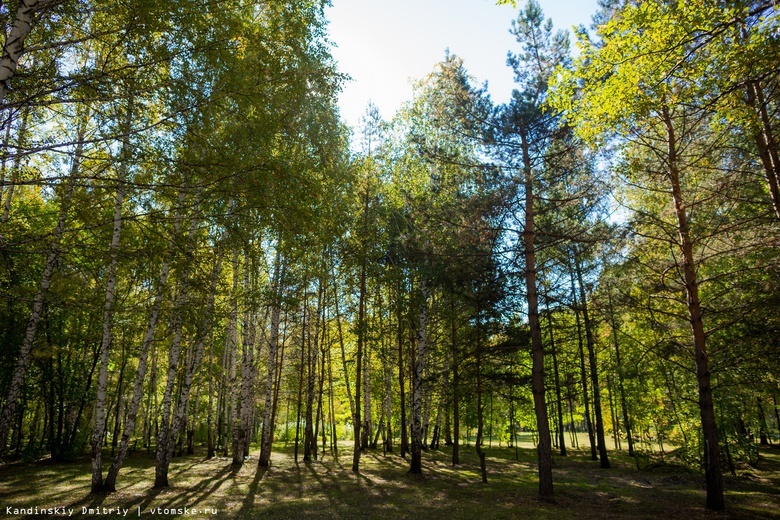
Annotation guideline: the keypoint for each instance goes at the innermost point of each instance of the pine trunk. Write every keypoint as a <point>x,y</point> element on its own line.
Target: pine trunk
<point>713,473</point>
<point>544,447</point>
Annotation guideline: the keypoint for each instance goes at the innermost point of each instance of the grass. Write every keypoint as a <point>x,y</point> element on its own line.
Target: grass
<point>383,489</point>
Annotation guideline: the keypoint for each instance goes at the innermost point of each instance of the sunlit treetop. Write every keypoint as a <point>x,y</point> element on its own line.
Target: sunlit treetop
<point>646,56</point>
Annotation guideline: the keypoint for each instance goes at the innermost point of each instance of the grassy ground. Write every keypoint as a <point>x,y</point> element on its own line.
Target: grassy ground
<point>329,489</point>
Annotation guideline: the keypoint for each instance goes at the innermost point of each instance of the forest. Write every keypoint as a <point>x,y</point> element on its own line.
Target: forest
<point>207,275</point>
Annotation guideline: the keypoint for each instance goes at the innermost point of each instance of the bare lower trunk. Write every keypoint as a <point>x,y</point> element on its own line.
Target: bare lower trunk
<point>401,382</point>
<point>165,432</point>
<point>180,411</point>
<point>265,443</point>
<point>594,378</point>
<point>417,381</point>
<point>455,387</point>
<point>544,446</point>
<point>366,428</point>
<point>361,337</point>
<point>310,433</point>
<point>388,401</point>
<point>559,407</point>
<point>621,388</point>
<point>242,433</point>
<point>583,375</point>
<point>480,420</point>
<point>210,447</point>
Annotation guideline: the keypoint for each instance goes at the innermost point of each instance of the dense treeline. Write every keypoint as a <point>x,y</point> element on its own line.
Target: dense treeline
<point>194,255</point>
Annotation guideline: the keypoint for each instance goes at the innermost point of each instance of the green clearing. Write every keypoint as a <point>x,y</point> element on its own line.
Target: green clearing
<point>328,489</point>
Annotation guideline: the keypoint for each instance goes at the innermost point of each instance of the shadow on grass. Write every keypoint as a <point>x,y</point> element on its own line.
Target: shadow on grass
<point>383,488</point>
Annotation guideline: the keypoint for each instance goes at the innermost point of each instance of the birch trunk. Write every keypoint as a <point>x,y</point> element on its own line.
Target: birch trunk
<point>401,384</point>
<point>266,440</point>
<point>108,309</point>
<point>242,434</point>
<point>53,255</point>
<point>231,348</point>
<point>165,433</point>
<point>181,408</point>
<point>417,382</point>
<point>14,43</point>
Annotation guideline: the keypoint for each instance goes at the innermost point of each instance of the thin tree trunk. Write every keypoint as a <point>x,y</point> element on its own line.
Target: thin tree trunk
<point>583,374</point>
<point>343,353</point>
<point>180,411</point>
<point>231,345</point>
<point>108,308</point>
<point>310,435</point>
<point>765,143</point>
<point>387,373</point>
<point>165,433</point>
<point>612,414</point>
<point>455,387</point>
<point>594,378</point>
<point>713,474</point>
<point>210,446</point>
<point>265,443</point>
<point>480,421</point>
<point>621,378</point>
<point>300,374</point>
<point>417,381</point>
<point>401,383</point>
<point>559,408</point>
<point>361,337</point>
<point>242,434</point>
<point>118,411</point>
<point>21,135</point>
<point>334,444</point>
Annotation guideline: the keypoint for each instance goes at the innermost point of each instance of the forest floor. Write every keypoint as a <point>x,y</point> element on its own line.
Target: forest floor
<point>327,488</point>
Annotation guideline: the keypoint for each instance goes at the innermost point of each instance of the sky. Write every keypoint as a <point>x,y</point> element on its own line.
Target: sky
<point>386,44</point>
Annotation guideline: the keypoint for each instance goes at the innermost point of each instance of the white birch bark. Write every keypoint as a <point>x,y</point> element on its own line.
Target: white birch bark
<point>242,432</point>
<point>231,345</point>
<point>108,309</point>
<point>14,43</point>
<point>417,381</point>
<point>162,457</point>
<point>265,443</point>
<point>180,411</point>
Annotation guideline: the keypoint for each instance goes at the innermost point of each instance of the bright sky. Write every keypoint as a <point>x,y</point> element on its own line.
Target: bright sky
<point>384,44</point>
